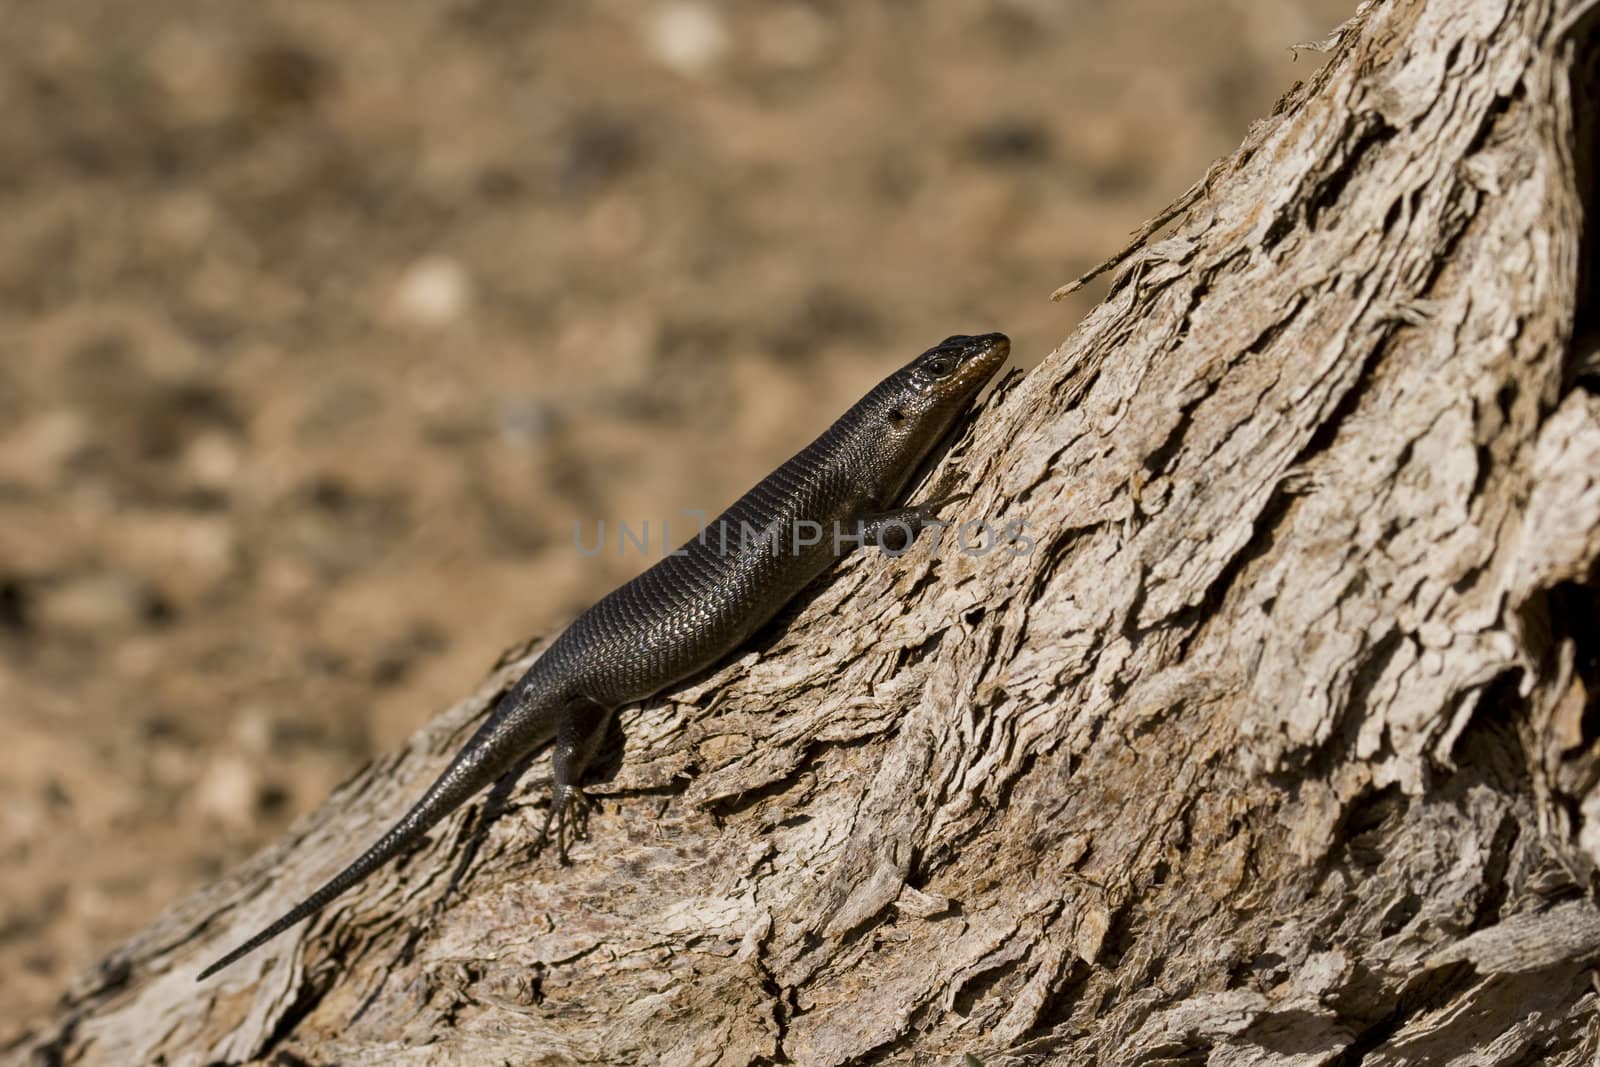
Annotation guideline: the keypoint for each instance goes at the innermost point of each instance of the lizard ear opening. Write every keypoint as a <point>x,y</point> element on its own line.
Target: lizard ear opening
<point>896,416</point>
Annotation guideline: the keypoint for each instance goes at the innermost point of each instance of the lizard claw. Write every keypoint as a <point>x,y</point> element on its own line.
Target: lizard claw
<point>568,806</point>
<point>931,507</point>
<point>928,511</point>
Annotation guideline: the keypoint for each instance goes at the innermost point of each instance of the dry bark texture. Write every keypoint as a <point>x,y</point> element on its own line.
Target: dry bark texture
<point>1277,748</point>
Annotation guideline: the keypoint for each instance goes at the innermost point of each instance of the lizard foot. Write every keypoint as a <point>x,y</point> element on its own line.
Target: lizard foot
<point>569,806</point>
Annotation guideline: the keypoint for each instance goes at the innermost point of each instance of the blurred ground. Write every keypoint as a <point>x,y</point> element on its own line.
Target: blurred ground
<point>322,323</point>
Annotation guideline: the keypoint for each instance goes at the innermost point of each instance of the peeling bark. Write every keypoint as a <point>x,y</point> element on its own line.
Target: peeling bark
<point>1279,746</point>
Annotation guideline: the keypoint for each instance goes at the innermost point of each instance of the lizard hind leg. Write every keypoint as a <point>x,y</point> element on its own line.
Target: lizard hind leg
<point>580,727</point>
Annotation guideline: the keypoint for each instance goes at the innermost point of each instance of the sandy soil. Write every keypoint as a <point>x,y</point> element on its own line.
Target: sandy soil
<point>321,323</point>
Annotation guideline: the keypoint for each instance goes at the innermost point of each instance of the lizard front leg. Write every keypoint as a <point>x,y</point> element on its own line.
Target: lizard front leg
<point>896,529</point>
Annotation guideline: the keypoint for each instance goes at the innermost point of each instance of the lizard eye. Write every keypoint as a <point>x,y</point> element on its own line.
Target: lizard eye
<point>939,365</point>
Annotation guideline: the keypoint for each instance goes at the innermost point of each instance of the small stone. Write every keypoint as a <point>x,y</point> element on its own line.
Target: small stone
<point>96,601</point>
<point>433,292</point>
<point>227,792</point>
<point>252,731</point>
<point>212,460</point>
<point>523,421</point>
<point>48,442</point>
<point>688,38</point>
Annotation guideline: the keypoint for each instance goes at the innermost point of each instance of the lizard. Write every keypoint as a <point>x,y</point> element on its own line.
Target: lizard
<point>689,610</point>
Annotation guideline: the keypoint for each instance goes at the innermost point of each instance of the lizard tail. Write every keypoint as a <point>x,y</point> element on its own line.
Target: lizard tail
<point>493,750</point>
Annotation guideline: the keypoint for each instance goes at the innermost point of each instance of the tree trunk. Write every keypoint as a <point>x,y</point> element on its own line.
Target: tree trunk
<point>1279,746</point>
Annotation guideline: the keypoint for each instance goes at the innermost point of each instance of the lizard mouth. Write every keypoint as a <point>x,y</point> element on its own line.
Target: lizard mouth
<point>980,357</point>
<point>992,346</point>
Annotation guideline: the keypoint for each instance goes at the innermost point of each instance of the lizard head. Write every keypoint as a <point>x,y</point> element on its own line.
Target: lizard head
<point>916,406</point>
<point>949,374</point>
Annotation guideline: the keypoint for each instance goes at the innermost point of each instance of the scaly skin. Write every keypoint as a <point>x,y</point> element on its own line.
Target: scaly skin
<point>694,607</point>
